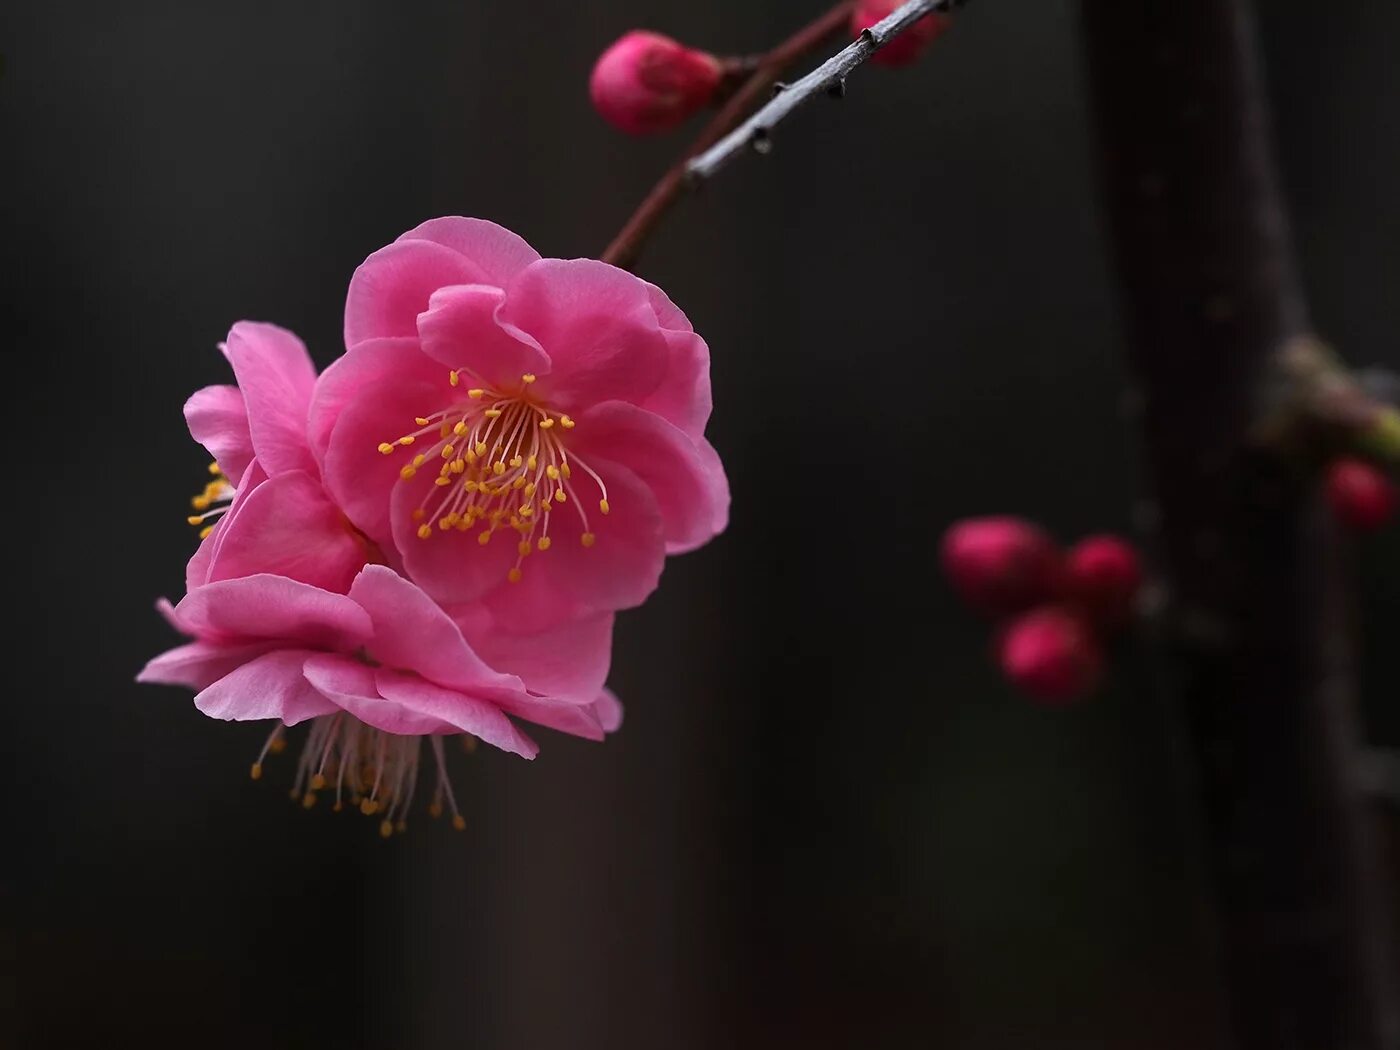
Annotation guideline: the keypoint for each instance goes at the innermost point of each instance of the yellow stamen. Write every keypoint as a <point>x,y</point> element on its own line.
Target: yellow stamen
<point>588,539</point>
<point>603,506</point>
<point>514,575</point>
<point>528,377</point>
<point>385,447</point>
<point>544,543</point>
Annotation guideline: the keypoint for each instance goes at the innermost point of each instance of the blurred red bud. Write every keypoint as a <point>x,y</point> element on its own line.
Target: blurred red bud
<point>1103,574</point>
<point>1001,565</point>
<point>1360,495</point>
<point>1050,654</point>
<point>910,44</point>
<point>647,83</point>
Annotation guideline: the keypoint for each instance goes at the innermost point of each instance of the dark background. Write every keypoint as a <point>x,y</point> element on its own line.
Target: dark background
<point>825,823</point>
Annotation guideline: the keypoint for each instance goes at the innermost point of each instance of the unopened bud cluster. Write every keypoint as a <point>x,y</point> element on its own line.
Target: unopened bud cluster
<point>1053,608</point>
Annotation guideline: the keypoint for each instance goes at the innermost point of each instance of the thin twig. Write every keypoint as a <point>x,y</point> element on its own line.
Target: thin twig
<point>628,243</point>
<point>828,78</point>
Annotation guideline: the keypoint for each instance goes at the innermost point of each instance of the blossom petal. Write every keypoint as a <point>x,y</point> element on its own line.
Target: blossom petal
<point>394,389</point>
<point>272,686</point>
<point>535,604</point>
<point>685,476</point>
<point>199,664</point>
<point>288,526</point>
<point>392,287</point>
<point>361,373</point>
<point>684,397</point>
<point>624,564</point>
<point>461,330</point>
<point>483,720</point>
<point>197,569</point>
<point>567,717</point>
<point>276,377</point>
<point>450,565</point>
<point>569,662</point>
<point>412,633</point>
<point>273,607</point>
<point>597,325</point>
<point>497,253</point>
<point>608,709</point>
<point>218,419</point>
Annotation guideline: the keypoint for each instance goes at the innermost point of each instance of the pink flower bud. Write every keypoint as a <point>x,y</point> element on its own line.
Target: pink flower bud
<point>910,44</point>
<point>646,83</point>
<point>1103,575</point>
<point>1361,496</point>
<point>1050,655</point>
<point>1001,565</point>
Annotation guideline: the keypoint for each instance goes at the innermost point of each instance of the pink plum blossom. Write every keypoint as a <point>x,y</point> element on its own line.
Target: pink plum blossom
<point>273,515</point>
<point>519,432</point>
<point>376,670</point>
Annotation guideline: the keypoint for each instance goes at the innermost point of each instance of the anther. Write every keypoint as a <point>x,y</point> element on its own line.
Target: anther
<point>492,413</point>
<point>422,421</point>
<point>475,393</point>
<point>407,471</point>
<point>256,772</point>
<point>308,800</point>
<point>484,537</point>
<point>385,447</point>
<point>528,377</point>
<point>545,424</point>
<point>544,543</point>
<point>514,575</point>
<point>523,547</point>
<point>588,539</point>
<point>459,822</point>
<point>453,378</point>
<point>424,531</point>
<point>603,506</point>
<point>386,828</point>
<point>559,496</point>
<point>566,422</point>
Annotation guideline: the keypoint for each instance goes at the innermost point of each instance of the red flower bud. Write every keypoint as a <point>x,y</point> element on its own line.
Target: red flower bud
<point>910,44</point>
<point>1001,565</point>
<point>1361,496</point>
<point>1103,575</point>
<point>646,83</point>
<point>1050,655</point>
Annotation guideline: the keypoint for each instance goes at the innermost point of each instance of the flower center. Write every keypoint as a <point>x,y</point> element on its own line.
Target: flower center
<point>212,502</point>
<point>377,772</point>
<point>502,462</point>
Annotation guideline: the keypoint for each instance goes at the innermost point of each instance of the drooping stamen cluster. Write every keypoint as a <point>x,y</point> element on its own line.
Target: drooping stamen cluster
<point>212,502</point>
<point>375,771</point>
<point>502,461</point>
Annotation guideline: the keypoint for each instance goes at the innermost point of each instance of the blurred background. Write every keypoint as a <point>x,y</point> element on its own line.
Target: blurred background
<point>826,822</point>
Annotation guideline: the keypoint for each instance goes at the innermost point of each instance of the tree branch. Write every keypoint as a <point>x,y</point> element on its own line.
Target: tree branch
<point>828,78</point>
<point>627,245</point>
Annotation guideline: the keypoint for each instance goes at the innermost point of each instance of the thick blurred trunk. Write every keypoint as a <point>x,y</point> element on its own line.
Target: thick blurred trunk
<point>1260,646</point>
